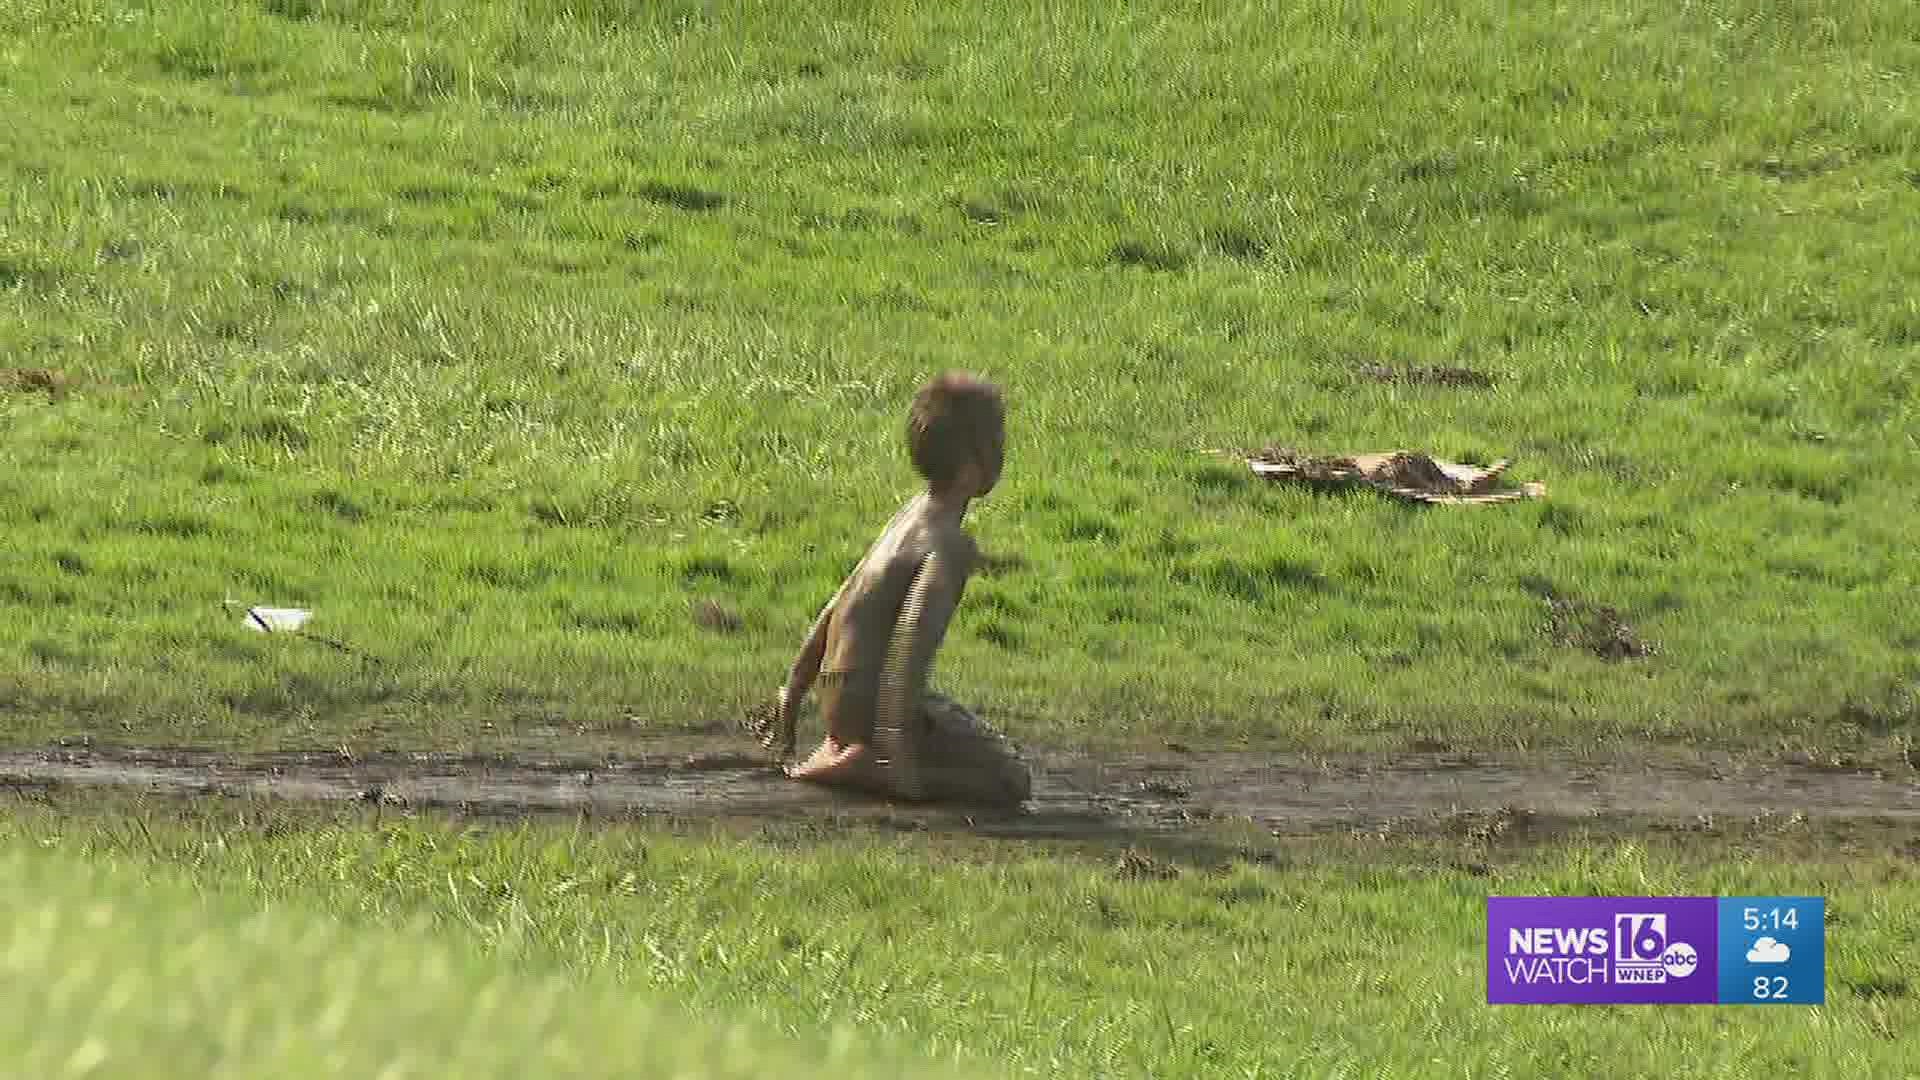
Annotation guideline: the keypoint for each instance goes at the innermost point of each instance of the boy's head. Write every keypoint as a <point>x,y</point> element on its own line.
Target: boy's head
<point>958,420</point>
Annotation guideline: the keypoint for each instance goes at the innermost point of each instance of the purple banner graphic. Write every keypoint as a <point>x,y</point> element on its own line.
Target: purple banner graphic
<point>1602,950</point>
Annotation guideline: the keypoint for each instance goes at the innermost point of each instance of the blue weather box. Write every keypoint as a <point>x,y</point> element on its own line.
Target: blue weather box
<point>1773,950</point>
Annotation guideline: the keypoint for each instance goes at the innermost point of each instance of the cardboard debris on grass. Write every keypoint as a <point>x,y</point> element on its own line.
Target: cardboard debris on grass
<point>1403,474</point>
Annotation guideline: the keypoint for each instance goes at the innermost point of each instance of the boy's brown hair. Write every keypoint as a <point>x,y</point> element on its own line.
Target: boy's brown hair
<point>956,417</point>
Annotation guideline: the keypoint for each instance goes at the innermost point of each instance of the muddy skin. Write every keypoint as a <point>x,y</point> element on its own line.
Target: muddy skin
<point>1074,795</point>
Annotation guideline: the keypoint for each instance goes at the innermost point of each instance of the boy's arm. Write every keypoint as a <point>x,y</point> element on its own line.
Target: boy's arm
<point>921,627</point>
<point>806,667</point>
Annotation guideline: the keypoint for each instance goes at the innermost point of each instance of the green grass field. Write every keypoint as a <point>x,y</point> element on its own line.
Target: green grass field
<point>1343,959</point>
<point>500,338</point>
<point>129,971</point>
<point>505,334</point>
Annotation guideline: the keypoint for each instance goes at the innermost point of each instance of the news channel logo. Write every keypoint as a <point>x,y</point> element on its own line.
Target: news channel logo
<point>1644,950</point>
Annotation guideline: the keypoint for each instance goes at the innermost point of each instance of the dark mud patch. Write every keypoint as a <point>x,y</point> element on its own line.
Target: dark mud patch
<point>1600,629</point>
<point>1451,377</point>
<point>1877,987</point>
<point>681,196</point>
<point>48,381</point>
<point>717,617</point>
<point>1076,796</point>
<point>1238,242</point>
<point>1595,628</point>
<point>1794,170</point>
<point>1161,258</point>
<point>1164,788</point>
<point>1136,865</point>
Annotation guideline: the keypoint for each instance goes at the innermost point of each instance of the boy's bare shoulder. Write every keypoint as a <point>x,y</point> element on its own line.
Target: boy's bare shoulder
<point>912,535</point>
<point>956,547</point>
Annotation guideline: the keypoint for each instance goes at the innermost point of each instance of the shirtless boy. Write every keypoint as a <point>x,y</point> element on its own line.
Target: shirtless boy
<point>871,648</point>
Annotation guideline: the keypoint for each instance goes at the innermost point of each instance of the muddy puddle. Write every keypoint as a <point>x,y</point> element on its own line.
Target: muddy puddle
<point>1075,795</point>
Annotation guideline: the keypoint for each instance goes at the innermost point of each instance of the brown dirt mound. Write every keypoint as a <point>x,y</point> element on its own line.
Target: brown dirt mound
<point>715,616</point>
<point>1596,628</point>
<point>1429,376</point>
<point>48,381</point>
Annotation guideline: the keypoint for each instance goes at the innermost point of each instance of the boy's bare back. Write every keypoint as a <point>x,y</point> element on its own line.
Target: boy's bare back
<point>866,614</point>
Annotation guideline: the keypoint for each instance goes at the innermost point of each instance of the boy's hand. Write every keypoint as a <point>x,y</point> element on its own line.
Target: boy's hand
<point>773,724</point>
<point>786,709</point>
